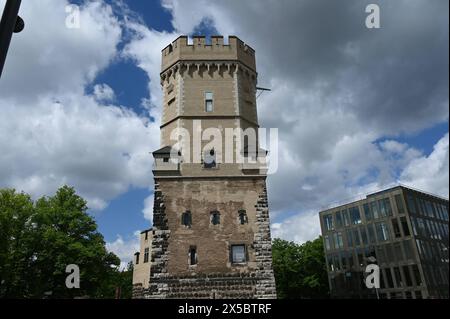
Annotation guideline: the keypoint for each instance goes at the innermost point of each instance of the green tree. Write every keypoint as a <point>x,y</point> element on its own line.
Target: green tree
<point>17,238</point>
<point>38,240</point>
<point>300,270</point>
<point>119,279</point>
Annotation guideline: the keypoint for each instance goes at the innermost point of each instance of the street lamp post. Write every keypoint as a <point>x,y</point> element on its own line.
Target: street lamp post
<point>10,23</point>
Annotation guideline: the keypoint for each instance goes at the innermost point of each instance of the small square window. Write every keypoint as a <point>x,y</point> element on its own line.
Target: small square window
<point>238,254</point>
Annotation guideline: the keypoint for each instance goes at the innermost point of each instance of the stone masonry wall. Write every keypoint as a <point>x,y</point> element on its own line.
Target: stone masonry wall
<point>214,277</point>
<point>265,287</point>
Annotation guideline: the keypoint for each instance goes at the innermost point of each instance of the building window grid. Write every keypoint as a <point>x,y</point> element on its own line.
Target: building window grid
<point>389,278</point>
<point>405,226</point>
<point>355,215</point>
<point>398,252</point>
<point>406,275</point>
<point>349,236</point>
<point>382,231</point>
<point>338,241</point>
<point>411,204</point>
<point>371,232</point>
<point>399,282</point>
<point>345,217</point>
<point>364,237</point>
<point>396,227</point>
<point>356,237</point>
<point>338,217</point>
<point>408,249</point>
<point>327,242</point>
<point>328,222</point>
<point>367,212</point>
<point>399,204</point>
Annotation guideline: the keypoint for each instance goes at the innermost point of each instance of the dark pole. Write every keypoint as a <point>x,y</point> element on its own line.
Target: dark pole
<point>7,27</point>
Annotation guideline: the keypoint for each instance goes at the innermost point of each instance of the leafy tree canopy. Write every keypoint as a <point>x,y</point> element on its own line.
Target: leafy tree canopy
<point>38,239</point>
<point>300,270</point>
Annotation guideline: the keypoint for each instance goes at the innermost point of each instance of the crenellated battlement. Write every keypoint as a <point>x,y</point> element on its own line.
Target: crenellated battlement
<point>181,50</point>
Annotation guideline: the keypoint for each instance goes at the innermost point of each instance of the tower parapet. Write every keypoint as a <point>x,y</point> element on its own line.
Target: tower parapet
<point>235,50</point>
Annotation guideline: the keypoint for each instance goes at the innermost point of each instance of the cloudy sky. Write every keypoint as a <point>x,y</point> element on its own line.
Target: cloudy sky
<point>357,109</point>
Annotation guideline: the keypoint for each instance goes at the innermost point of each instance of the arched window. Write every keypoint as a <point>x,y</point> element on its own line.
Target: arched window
<point>136,255</point>
<point>243,217</point>
<point>186,219</point>
<point>209,159</point>
<point>192,255</point>
<point>215,217</point>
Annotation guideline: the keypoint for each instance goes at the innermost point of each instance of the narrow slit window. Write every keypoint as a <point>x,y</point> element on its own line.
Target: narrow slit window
<point>215,217</point>
<point>193,255</point>
<point>209,102</point>
<point>146,254</point>
<point>243,217</point>
<point>137,258</point>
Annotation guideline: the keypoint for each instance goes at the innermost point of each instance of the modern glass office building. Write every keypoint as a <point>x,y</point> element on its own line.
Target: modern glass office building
<point>404,231</point>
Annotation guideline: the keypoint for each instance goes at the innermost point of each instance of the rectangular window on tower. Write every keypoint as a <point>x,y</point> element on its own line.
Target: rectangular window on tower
<point>146,254</point>
<point>209,104</point>
<point>193,255</point>
<point>238,254</point>
<point>136,255</point>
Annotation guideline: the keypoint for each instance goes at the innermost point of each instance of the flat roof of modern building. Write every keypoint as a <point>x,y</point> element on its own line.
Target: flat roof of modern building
<point>377,193</point>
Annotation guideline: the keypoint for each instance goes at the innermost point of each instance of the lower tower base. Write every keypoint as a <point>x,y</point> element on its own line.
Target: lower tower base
<point>215,276</point>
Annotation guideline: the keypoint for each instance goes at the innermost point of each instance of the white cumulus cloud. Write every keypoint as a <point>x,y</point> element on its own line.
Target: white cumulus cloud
<point>103,92</point>
<point>124,248</point>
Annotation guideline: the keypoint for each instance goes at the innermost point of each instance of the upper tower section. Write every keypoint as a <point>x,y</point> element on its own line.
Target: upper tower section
<point>180,50</point>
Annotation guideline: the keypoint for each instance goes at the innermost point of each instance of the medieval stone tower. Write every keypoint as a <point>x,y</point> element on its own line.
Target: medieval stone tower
<point>211,235</point>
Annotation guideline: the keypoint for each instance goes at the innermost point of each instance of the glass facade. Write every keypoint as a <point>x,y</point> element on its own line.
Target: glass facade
<point>403,230</point>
